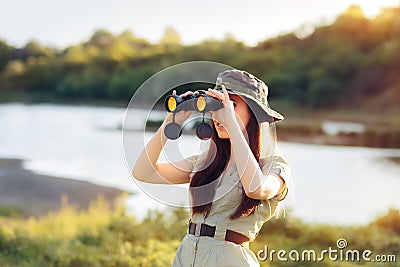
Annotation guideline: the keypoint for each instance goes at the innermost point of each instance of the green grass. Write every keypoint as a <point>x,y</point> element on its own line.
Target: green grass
<point>101,236</point>
<point>11,212</point>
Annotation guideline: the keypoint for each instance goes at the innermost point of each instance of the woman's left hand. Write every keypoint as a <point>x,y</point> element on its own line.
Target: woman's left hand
<point>226,115</point>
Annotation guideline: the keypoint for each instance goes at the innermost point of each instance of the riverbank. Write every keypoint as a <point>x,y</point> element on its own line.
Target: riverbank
<point>309,131</point>
<point>26,193</point>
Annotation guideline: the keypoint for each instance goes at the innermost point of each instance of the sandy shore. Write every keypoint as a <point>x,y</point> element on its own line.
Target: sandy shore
<point>36,194</point>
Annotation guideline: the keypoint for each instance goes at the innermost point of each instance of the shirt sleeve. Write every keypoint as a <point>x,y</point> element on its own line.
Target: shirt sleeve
<point>279,166</point>
<point>192,161</point>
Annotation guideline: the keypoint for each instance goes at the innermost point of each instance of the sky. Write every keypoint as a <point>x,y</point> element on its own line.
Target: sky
<point>60,23</point>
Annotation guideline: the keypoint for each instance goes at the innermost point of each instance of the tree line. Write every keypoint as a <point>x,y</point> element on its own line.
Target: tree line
<point>349,62</point>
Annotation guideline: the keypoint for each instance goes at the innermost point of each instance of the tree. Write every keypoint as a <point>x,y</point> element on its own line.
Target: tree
<point>101,39</point>
<point>76,55</point>
<point>5,54</point>
<point>14,69</point>
<point>12,75</point>
<point>122,83</point>
<point>170,37</point>
<point>33,48</point>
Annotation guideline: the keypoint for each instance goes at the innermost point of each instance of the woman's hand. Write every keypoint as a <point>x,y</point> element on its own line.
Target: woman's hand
<point>180,116</point>
<point>226,115</point>
<point>149,170</point>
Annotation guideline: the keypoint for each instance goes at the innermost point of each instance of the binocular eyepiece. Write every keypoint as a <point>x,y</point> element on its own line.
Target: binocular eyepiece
<point>200,102</point>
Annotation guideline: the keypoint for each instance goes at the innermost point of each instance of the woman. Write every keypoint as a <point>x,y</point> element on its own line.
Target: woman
<point>236,186</point>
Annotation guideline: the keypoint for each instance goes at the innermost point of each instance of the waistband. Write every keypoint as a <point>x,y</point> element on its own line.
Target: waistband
<point>201,229</point>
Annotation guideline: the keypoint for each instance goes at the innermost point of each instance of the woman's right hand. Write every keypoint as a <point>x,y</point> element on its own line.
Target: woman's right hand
<point>180,116</point>
<point>148,169</point>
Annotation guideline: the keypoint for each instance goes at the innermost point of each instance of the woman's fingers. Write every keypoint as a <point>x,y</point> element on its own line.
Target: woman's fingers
<point>216,94</point>
<point>226,95</point>
<point>186,94</point>
<point>223,96</point>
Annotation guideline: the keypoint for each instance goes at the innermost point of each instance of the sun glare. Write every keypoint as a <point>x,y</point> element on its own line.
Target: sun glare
<point>372,8</point>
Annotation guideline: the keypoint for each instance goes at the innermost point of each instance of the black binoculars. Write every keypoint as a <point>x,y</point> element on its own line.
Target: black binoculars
<point>200,102</point>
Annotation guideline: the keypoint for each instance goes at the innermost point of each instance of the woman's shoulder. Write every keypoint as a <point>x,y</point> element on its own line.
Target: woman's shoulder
<point>273,160</point>
<point>278,165</point>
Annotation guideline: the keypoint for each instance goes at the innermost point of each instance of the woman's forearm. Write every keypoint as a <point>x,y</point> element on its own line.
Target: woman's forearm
<point>147,168</point>
<point>254,182</point>
<point>145,165</point>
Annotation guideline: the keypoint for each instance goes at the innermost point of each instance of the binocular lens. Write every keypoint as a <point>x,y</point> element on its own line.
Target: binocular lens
<point>201,103</point>
<point>204,131</point>
<point>173,131</point>
<point>171,104</point>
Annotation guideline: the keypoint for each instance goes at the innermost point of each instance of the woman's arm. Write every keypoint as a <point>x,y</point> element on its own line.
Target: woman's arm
<point>147,169</point>
<point>255,184</point>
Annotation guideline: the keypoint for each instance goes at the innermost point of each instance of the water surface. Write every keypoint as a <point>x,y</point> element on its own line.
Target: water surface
<point>332,184</point>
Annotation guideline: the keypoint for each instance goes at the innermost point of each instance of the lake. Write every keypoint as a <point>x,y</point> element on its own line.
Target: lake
<point>332,184</point>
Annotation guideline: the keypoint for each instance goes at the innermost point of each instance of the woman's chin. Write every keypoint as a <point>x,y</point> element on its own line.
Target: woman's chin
<point>222,134</point>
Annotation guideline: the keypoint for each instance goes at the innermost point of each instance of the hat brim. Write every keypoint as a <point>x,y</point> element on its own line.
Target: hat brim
<point>262,112</point>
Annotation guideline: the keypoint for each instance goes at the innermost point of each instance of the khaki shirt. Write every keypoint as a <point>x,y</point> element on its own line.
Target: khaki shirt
<point>208,251</point>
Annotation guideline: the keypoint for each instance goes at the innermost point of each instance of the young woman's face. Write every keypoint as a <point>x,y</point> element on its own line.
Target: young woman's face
<point>242,115</point>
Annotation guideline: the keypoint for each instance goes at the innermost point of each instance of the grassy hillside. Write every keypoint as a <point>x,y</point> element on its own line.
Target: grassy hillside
<point>102,237</point>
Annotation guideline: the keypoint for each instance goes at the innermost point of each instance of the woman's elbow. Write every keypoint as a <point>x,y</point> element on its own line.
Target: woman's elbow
<point>135,175</point>
<point>138,174</point>
<point>269,189</point>
<point>260,193</point>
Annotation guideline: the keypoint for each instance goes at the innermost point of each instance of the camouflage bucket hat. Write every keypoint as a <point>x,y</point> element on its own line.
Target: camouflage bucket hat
<point>252,89</point>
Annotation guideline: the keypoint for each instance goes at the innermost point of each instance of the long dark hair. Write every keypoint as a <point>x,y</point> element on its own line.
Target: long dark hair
<point>218,164</point>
